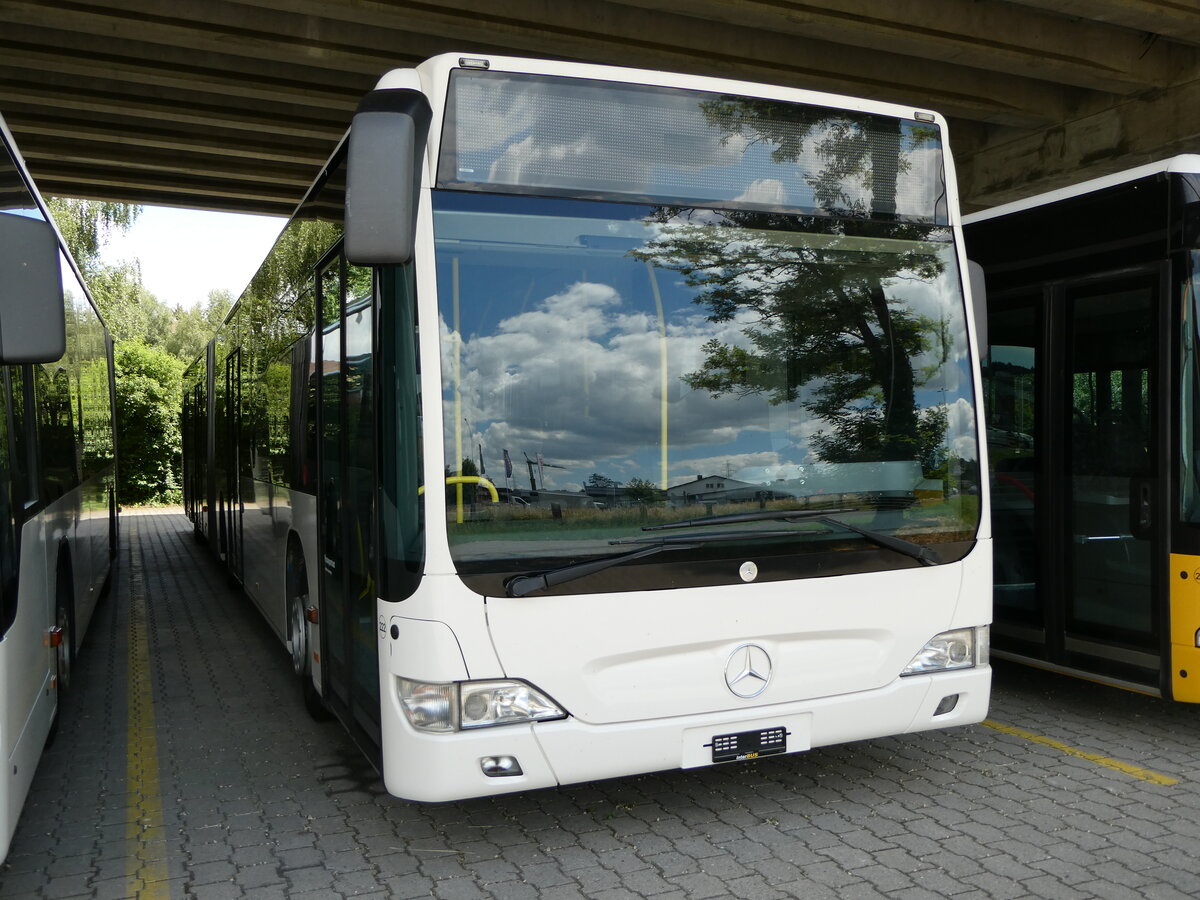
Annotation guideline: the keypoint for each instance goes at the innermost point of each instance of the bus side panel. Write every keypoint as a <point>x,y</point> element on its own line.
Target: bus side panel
<point>57,458</point>
<point>90,555</point>
<point>1184,578</point>
<point>27,668</point>
<point>266,523</point>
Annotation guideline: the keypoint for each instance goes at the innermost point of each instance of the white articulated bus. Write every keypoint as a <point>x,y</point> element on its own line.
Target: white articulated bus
<point>58,511</point>
<point>588,421</point>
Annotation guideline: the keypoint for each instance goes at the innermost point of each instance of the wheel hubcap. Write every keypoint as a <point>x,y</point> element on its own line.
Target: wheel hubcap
<point>297,637</point>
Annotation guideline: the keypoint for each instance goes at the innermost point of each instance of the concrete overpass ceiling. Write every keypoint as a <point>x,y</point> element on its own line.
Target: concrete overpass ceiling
<point>233,104</point>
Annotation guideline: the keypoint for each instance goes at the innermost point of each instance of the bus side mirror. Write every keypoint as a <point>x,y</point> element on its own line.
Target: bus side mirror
<point>33,327</point>
<point>979,306</point>
<point>383,176</point>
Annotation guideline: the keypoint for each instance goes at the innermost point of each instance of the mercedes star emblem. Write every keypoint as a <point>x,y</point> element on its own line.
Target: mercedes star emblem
<point>748,670</point>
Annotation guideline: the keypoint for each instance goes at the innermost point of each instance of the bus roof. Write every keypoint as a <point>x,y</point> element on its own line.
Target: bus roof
<point>436,69</point>
<point>1188,163</point>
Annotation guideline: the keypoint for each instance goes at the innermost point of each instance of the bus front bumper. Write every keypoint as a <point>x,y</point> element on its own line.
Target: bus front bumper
<point>435,768</point>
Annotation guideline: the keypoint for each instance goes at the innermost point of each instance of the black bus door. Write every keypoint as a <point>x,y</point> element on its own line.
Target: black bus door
<point>346,500</point>
<point>1075,393</point>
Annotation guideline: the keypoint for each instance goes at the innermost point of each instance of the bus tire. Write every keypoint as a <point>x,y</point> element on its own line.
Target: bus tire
<point>297,636</point>
<point>64,618</point>
<point>114,545</point>
<point>114,527</point>
<point>221,551</point>
<point>53,732</point>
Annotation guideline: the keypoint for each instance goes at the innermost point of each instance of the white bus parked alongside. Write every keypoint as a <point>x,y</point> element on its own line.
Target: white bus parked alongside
<point>437,438</point>
<point>58,508</point>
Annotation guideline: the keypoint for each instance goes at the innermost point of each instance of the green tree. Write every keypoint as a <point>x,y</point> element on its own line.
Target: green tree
<point>87,224</point>
<point>148,402</point>
<point>124,302</point>
<point>191,328</point>
<point>147,420</point>
<point>641,490</point>
<point>153,343</point>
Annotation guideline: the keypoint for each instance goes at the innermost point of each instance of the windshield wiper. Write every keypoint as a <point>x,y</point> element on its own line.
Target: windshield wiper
<point>721,537</point>
<point>922,554</point>
<point>520,585</point>
<point>526,584</point>
<point>760,516</point>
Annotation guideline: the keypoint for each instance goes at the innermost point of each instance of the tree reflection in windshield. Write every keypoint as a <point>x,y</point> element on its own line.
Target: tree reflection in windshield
<point>812,314</point>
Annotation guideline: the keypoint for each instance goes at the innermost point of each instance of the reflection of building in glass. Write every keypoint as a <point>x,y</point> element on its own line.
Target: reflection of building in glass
<point>545,499</point>
<point>716,489</point>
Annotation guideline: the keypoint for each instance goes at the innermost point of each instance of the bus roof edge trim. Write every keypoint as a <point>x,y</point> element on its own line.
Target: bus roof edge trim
<point>436,70</point>
<point>1183,164</point>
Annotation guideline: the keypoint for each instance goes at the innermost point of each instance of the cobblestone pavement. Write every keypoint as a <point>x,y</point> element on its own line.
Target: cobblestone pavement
<point>222,787</point>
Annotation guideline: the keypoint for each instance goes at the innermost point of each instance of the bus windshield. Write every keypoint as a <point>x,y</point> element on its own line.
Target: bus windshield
<point>609,367</point>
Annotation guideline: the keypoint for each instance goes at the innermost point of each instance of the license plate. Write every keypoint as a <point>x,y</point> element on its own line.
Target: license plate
<point>749,744</point>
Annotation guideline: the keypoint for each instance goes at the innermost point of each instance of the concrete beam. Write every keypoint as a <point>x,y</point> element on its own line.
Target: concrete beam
<point>198,99</point>
<point>162,165</point>
<point>218,141</point>
<point>228,31</point>
<point>104,109</point>
<point>1127,134</point>
<point>96,183</point>
<point>616,33</point>
<point>1178,20</point>
<point>984,34</point>
<point>133,65</point>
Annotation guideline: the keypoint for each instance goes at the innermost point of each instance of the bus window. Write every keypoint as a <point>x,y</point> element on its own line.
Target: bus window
<point>1011,379</point>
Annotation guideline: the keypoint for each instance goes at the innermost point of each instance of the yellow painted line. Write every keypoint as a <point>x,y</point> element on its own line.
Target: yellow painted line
<point>146,868</point>
<point>1106,761</point>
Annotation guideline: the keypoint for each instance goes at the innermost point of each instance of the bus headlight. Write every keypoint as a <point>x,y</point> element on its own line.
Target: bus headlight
<point>428,707</point>
<point>962,648</point>
<point>504,702</point>
<point>442,708</point>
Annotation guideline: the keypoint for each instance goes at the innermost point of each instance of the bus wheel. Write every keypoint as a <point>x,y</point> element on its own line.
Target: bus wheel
<point>298,633</point>
<point>114,532</point>
<point>297,625</point>
<point>64,620</point>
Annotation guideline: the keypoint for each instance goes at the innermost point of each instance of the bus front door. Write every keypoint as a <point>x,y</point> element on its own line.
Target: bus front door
<point>1075,403</point>
<point>1111,507</point>
<point>346,499</point>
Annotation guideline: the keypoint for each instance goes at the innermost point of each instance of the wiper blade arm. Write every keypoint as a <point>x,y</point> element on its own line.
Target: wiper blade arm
<point>760,516</point>
<point>922,554</point>
<point>718,538</point>
<point>521,585</point>
<point>527,584</point>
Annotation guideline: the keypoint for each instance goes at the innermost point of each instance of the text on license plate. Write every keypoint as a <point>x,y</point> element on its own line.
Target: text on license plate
<point>749,744</point>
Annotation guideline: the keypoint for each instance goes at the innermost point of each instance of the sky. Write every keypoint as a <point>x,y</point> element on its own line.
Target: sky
<point>186,253</point>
